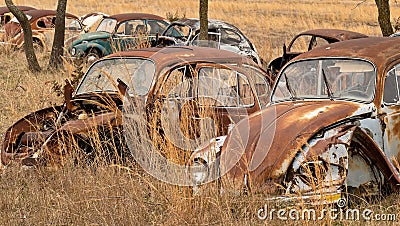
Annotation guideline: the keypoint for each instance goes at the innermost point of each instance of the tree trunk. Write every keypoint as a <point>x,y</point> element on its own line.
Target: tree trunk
<point>384,17</point>
<point>203,12</point>
<point>59,35</point>
<point>33,64</point>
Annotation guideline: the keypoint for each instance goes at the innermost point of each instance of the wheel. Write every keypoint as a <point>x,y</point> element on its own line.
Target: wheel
<point>38,46</point>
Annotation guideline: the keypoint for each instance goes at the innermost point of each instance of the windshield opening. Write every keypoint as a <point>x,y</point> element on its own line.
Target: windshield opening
<point>102,77</point>
<point>326,78</point>
<point>178,31</point>
<point>107,25</point>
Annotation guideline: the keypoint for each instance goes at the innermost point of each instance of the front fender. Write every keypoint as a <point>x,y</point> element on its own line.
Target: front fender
<point>339,150</point>
<point>27,133</point>
<point>83,48</point>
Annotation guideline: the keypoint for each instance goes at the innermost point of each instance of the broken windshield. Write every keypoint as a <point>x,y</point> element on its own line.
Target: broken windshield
<point>327,78</point>
<point>178,31</point>
<point>102,77</point>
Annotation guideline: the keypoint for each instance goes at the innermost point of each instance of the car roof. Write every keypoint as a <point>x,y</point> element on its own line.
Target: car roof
<point>4,9</point>
<point>35,14</point>
<point>175,54</point>
<point>135,16</point>
<point>335,34</point>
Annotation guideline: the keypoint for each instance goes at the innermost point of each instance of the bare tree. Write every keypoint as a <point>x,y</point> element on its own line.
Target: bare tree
<point>384,17</point>
<point>203,12</point>
<point>59,36</point>
<point>33,63</point>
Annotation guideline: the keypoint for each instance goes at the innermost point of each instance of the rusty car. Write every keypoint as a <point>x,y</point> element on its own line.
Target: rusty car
<point>174,76</point>
<point>331,130</point>
<point>6,16</point>
<point>118,32</point>
<point>308,40</point>
<point>43,27</point>
<point>221,35</point>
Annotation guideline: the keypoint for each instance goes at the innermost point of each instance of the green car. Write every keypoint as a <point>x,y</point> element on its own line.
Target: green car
<point>117,33</point>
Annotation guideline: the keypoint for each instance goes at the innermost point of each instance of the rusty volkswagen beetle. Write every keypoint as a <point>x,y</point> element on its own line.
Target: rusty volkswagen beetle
<point>43,27</point>
<point>6,15</point>
<point>174,76</point>
<point>308,40</point>
<point>331,128</point>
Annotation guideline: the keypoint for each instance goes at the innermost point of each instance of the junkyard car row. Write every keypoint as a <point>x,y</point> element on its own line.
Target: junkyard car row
<point>221,35</point>
<point>318,123</point>
<point>117,33</point>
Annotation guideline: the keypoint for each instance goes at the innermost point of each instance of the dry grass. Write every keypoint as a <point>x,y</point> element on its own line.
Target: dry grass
<point>115,195</point>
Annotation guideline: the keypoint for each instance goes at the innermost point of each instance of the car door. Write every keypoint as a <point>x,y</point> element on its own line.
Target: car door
<point>228,92</point>
<point>391,114</point>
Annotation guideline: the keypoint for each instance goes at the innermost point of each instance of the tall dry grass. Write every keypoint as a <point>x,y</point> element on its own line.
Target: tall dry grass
<point>123,194</point>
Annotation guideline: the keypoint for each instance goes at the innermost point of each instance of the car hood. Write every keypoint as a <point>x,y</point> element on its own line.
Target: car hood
<point>271,138</point>
<point>92,36</point>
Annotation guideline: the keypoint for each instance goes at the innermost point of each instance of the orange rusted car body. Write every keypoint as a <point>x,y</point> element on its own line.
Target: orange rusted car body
<point>331,127</point>
<point>6,15</point>
<point>43,27</point>
<point>96,104</point>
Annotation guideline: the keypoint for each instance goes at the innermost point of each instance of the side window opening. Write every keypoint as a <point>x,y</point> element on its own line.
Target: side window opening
<point>179,83</point>
<point>227,87</point>
<point>261,86</point>
<point>300,44</point>
<point>132,27</point>
<point>391,93</point>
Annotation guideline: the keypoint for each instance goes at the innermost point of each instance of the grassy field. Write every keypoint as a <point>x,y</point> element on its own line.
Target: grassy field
<point>113,195</point>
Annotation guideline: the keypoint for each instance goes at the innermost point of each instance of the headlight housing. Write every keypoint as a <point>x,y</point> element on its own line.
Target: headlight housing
<point>199,171</point>
<point>73,51</point>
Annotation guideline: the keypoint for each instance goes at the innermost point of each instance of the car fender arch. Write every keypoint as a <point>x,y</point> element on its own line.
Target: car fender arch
<point>348,153</point>
<point>376,155</point>
<point>334,142</point>
<point>98,47</point>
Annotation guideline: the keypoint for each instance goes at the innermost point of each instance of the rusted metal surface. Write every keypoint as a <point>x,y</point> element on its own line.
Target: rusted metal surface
<point>42,24</point>
<point>89,110</point>
<point>6,15</point>
<point>333,35</point>
<point>354,141</point>
<point>4,9</point>
<point>293,122</point>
